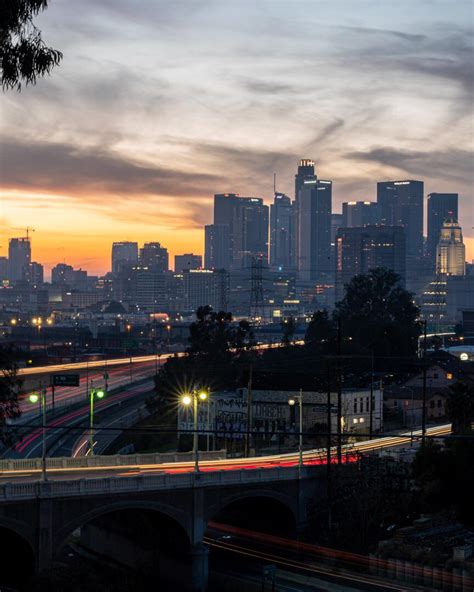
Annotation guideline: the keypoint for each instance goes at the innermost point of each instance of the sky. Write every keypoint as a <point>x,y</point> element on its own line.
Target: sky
<point>159,104</point>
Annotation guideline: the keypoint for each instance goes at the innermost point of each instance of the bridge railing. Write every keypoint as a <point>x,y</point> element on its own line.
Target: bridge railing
<point>66,462</point>
<point>106,485</point>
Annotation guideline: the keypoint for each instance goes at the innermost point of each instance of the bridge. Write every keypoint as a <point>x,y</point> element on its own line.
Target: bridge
<point>155,520</point>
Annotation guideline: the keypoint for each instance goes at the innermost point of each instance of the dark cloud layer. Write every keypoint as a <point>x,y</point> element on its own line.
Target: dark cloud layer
<point>452,164</point>
<point>69,169</point>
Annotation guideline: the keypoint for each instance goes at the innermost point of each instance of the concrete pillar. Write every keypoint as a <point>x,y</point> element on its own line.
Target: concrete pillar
<point>199,567</point>
<point>44,528</point>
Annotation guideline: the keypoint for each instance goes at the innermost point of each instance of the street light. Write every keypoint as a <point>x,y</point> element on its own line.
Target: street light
<point>186,400</point>
<point>94,394</point>
<point>34,398</point>
<point>292,402</point>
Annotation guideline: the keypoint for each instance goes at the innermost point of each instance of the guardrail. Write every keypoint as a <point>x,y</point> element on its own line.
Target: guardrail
<point>66,462</point>
<point>107,485</point>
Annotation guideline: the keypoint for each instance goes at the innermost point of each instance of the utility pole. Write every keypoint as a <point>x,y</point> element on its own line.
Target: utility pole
<point>248,437</point>
<point>371,401</point>
<point>339,393</point>
<point>328,451</point>
<point>423,410</point>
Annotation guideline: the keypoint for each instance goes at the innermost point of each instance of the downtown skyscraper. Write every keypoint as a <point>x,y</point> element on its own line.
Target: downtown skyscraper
<point>440,207</point>
<point>401,204</point>
<point>239,233</point>
<point>282,233</point>
<point>313,229</point>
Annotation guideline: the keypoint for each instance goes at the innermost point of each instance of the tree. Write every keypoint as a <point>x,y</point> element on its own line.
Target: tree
<point>23,54</point>
<point>378,315</point>
<point>288,327</point>
<point>217,348</point>
<point>10,385</point>
<point>460,407</point>
<point>320,329</point>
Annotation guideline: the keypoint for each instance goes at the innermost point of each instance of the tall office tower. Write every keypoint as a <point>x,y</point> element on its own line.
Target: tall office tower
<point>3,269</point>
<point>205,287</point>
<point>225,205</point>
<point>250,232</point>
<point>359,213</point>
<point>122,253</point>
<point>36,275</point>
<point>19,259</point>
<point>187,261</point>
<point>245,222</point>
<point>314,230</point>
<point>217,246</point>
<point>336,223</point>
<point>451,252</point>
<point>305,171</point>
<point>282,233</point>
<point>154,256</point>
<point>401,204</point>
<point>440,207</point>
<point>360,249</point>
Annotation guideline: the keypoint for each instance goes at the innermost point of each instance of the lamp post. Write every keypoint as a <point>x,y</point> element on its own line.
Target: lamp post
<point>292,402</point>
<point>408,388</point>
<point>195,397</point>
<point>34,398</point>
<point>94,394</point>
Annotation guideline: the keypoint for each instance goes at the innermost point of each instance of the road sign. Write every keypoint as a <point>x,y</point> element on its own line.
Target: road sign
<point>66,379</point>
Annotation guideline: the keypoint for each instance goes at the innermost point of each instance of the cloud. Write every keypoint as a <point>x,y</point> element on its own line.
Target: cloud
<point>455,164</point>
<point>266,87</point>
<point>413,37</point>
<point>65,168</point>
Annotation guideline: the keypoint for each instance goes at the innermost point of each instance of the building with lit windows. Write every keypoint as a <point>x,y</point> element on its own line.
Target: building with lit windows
<point>360,249</point>
<point>440,207</point>
<point>450,251</point>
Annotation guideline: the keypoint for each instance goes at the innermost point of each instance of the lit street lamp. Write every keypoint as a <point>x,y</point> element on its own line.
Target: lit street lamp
<point>34,398</point>
<point>195,397</point>
<point>94,394</point>
<point>292,402</point>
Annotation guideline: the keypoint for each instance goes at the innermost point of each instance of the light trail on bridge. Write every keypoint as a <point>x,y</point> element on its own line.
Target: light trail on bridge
<point>310,458</point>
<point>122,361</point>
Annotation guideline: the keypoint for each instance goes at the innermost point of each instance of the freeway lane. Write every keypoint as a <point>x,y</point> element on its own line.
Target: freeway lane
<point>151,359</point>
<point>30,445</point>
<point>311,457</point>
<point>69,395</point>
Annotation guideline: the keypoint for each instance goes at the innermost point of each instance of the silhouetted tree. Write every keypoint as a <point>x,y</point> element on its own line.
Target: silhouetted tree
<point>23,53</point>
<point>460,407</point>
<point>379,315</point>
<point>10,385</point>
<point>443,474</point>
<point>288,327</point>
<point>320,330</point>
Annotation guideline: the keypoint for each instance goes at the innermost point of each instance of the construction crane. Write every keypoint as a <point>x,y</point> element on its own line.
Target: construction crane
<point>28,229</point>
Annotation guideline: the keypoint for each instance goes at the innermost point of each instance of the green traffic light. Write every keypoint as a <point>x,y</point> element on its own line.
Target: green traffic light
<point>34,398</point>
<point>100,394</point>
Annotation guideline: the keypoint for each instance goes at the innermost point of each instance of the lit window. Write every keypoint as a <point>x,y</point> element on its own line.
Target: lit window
<point>361,420</point>
<point>449,376</point>
<point>355,420</point>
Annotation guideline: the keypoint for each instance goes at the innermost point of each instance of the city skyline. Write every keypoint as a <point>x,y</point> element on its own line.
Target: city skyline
<point>125,140</point>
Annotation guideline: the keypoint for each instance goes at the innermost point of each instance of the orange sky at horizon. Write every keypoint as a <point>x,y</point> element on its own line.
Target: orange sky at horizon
<point>157,106</point>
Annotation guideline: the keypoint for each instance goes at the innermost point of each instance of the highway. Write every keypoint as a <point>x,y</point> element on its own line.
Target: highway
<point>310,457</point>
<point>31,443</point>
<point>65,396</point>
<point>129,361</point>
